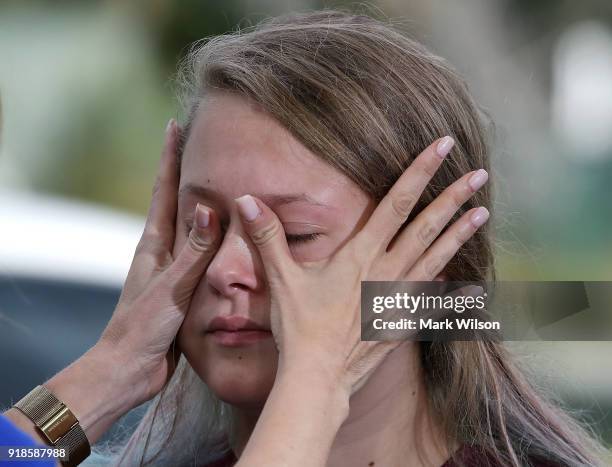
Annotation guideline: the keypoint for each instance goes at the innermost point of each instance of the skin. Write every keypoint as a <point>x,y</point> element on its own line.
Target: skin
<point>268,162</point>
<point>265,160</point>
<point>321,362</point>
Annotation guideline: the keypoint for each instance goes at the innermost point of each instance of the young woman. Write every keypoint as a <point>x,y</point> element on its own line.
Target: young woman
<point>328,149</point>
<point>332,108</point>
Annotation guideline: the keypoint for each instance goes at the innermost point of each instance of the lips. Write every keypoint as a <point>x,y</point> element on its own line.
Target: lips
<point>236,331</point>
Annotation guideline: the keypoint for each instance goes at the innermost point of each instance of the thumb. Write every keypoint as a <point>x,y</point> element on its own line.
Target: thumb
<point>191,262</point>
<point>267,233</point>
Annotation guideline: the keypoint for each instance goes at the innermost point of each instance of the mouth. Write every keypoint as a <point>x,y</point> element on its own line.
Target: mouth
<point>237,331</point>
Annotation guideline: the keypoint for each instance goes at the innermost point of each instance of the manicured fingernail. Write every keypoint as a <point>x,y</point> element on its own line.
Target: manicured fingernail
<point>169,125</point>
<point>479,217</point>
<point>444,146</point>
<point>248,207</point>
<point>202,216</point>
<point>478,179</point>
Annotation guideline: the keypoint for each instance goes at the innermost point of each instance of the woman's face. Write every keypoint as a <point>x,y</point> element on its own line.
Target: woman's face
<point>234,149</point>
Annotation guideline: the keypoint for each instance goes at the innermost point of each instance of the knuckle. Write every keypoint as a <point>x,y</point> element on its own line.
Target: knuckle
<point>150,233</point>
<point>462,236</point>
<point>264,235</point>
<point>153,231</point>
<point>201,243</point>
<point>429,167</point>
<point>149,244</point>
<point>402,204</point>
<point>457,197</point>
<point>140,248</point>
<point>432,266</point>
<point>427,233</point>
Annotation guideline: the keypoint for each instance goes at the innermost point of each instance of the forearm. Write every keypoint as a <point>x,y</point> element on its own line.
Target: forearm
<point>298,423</point>
<point>95,388</point>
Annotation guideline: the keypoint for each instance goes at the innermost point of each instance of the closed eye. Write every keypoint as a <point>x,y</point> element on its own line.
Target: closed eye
<point>302,238</point>
<point>291,238</point>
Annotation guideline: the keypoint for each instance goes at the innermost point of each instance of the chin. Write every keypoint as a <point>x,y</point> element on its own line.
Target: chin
<point>242,377</point>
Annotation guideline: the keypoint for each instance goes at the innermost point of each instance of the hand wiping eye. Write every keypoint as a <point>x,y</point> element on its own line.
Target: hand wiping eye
<point>302,340</point>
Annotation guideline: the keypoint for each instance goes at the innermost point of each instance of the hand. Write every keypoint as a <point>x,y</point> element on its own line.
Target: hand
<point>315,307</point>
<point>132,360</point>
<point>158,289</point>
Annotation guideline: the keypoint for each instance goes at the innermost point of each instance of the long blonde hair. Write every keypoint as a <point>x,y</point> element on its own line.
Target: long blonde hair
<point>367,99</point>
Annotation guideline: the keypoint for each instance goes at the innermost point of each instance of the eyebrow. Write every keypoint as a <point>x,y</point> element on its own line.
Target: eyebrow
<point>270,199</point>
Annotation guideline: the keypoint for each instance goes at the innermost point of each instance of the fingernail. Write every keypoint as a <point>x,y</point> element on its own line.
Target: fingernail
<point>478,179</point>
<point>444,146</point>
<point>169,125</point>
<point>202,216</point>
<point>248,207</point>
<point>479,217</point>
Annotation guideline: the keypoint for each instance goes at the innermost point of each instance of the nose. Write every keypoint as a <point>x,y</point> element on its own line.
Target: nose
<point>234,267</point>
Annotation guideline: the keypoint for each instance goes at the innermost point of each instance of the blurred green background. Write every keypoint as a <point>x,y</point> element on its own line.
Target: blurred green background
<point>86,89</point>
<point>86,94</point>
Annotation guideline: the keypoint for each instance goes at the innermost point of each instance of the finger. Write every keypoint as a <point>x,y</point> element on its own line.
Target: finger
<point>266,232</point>
<point>446,246</point>
<point>396,206</point>
<point>162,211</point>
<point>425,228</point>
<point>191,262</point>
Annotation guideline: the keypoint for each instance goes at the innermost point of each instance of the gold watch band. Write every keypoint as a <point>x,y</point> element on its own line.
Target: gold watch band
<point>57,423</point>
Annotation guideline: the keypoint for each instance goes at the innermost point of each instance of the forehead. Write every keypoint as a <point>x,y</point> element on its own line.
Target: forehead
<point>235,148</point>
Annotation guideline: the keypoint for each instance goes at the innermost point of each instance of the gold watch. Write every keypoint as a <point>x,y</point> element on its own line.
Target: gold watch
<point>57,423</point>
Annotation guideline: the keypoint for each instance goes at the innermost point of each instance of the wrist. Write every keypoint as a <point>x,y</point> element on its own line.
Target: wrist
<point>326,371</point>
<point>97,390</point>
<point>124,380</point>
<point>324,384</point>
<point>299,421</point>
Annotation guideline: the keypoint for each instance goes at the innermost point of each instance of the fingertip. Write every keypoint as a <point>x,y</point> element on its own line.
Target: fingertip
<point>205,223</point>
<point>265,231</point>
<point>443,146</point>
<point>168,156</point>
<point>479,216</point>
<point>248,208</point>
<point>202,216</point>
<point>171,133</point>
<point>204,235</point>
<point>170,125</point>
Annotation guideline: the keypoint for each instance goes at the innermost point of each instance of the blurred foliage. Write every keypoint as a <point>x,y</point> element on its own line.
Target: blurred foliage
<point>115,95</point>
